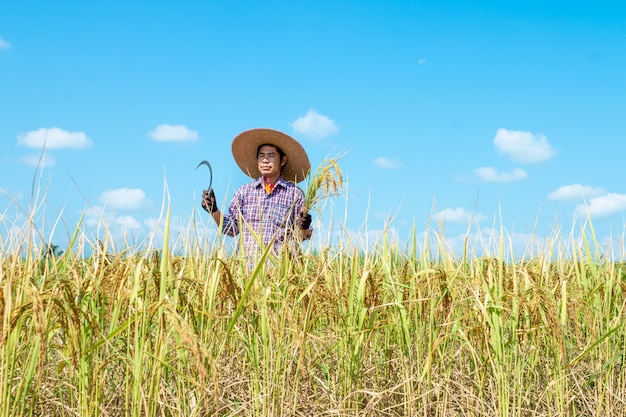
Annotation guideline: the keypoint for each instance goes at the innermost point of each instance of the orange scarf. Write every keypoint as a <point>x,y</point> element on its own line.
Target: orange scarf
<point>267,185</point>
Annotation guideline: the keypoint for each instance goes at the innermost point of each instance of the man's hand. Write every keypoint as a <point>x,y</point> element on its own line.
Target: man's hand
<point>209,203</point>
<point>303,221</point>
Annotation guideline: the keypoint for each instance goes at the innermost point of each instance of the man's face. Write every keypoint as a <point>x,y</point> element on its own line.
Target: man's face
<point>269,161</point>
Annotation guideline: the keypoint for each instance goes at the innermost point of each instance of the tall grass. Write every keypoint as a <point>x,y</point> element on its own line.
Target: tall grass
<point>390,331</point>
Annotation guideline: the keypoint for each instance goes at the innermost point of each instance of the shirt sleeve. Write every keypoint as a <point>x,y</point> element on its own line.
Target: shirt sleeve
<point>230,224</point>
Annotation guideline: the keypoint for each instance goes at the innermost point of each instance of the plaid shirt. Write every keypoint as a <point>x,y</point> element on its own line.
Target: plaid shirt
<point>253,211</point>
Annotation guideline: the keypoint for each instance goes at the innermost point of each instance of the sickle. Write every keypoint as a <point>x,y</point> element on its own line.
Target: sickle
<point>210,172</point>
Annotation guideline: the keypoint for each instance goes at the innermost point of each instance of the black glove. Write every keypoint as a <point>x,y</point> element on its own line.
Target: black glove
<point>303,221</point>
<point>209,203</point>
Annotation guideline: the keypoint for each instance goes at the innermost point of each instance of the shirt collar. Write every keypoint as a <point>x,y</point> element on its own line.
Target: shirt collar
<point>279,182</point>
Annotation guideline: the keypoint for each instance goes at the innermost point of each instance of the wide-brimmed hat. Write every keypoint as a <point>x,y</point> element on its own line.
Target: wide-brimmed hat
<point>246,144</point>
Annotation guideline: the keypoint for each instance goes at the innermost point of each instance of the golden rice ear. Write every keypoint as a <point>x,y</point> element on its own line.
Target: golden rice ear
<point>327,181</point>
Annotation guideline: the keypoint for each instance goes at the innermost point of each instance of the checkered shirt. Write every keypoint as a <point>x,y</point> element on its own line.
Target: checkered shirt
<point>268,216</point>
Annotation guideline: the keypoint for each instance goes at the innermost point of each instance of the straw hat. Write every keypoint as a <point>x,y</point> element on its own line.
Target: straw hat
<point>246,144</point>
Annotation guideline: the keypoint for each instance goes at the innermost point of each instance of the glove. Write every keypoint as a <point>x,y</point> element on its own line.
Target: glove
<point>303,221</point>
<point>209,203</point>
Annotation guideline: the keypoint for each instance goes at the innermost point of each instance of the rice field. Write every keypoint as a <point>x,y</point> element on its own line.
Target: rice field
<point>387,331</point>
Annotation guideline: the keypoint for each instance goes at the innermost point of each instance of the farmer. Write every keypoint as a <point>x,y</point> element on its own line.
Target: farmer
<point>270,208</point>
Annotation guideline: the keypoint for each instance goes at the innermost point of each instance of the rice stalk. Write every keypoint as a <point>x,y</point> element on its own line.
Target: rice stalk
<point>376,332</point>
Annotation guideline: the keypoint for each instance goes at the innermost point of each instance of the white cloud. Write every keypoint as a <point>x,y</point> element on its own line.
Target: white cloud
<point>38,160</point>
<point>421,61</point>
<point>13,196</point>
<point>128,223</point>
<point>491,241</point>
<point>575,193</point>
<point>4,44</point>
<point>387,163</point>
<point>54,138</point>
<point>315,125</point>
<point>593,202</point>
<point>523,147</point>
<point>602,206</point>
<point>124,198</point>
<point>173,133</point>
<point>114,229</point>
<point>489,174</point>
<point>94,216</point>
<point>457,215</point>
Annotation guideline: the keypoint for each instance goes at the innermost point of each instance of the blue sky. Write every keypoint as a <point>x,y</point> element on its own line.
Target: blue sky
<point>507,112</point>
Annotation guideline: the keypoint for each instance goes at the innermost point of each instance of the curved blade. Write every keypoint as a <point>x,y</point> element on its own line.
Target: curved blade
<point>205,162</point>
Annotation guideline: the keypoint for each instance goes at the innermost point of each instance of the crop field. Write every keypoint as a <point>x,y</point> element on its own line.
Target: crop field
<point>389,331</point>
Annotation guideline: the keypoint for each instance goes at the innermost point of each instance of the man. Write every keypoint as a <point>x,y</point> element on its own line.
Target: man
<point>271,208</point>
